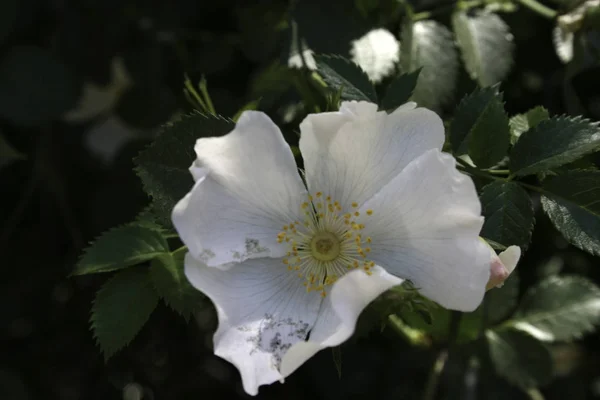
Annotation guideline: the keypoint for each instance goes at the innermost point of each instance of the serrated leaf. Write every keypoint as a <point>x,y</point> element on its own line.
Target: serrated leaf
<point>8,154</point>
<point>486,45</point>
<point>400,90</point>
<point>121,308</point>
<point>147,219</point>
<point>164,165</point>
<point>559,308</point>
<point>169,279</point>
<point>523,122</point>
<point>519,357</point>
<point>552,143</point>
<point>480,128</point>
<point>342,74</point>
<point>501,302</point>
<point>120,248</point>
<point>430,45</point>
<point>508,212</point>
<point>571,203</point>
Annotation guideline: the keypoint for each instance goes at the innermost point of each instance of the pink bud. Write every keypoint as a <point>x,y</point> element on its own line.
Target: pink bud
<point>501,265</point>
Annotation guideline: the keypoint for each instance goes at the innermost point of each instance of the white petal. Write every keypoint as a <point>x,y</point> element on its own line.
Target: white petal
<point>351,154</point>
<point>247,187</point>
<point>263,310</point>
<point>425,227</point>
<point>339,313</point>
<point>510,257</point>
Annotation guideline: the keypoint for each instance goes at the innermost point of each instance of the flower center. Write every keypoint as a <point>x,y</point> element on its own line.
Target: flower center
<point>327,244</point>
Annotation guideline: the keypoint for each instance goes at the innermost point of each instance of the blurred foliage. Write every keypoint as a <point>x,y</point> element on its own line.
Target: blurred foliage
<point>85,86</point>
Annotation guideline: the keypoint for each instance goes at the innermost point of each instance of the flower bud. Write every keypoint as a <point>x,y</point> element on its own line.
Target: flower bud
<point>502,265</point>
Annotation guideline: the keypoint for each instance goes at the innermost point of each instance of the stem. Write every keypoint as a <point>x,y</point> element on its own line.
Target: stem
<point>445,9</point>
<point>532,187</point>
<point>474,171</point>
<point>539,8</point>
<point>440,362</point>
<point>434,375</point>
<point>497,171</point>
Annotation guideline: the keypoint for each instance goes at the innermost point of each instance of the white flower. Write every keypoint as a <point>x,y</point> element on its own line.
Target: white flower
<point>376,53</point>
<point>281,261</point>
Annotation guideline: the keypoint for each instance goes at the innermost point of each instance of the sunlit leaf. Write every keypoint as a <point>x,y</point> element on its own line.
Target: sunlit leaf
<point>559,308</point>
<point>486,45</point>
<point>430,46</point>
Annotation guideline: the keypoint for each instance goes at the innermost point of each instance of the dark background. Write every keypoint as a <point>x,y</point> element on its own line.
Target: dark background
<point>64,192</point>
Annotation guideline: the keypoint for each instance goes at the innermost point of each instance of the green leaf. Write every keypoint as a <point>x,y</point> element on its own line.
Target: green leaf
<point>571,203</point>
<point>430,46</point>
<point>120,248</point>
<point>164,165</point>
<point>400,90</point>
<point>486,45</point>
<point>169,279</point>
<point>8,154</point>
<point>480,128</point>
<point>501,302</point>
<point>519,358</point>
<point>121,308</point>
<point>559,308</point>
<point>35,87</point>
<point>523,122</point>
<point>342,74</point>
<point>508,212</point>
<point>552,143</point>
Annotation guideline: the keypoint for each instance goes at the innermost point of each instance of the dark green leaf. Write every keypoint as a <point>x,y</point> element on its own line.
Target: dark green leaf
<point>571,202</point>
<point>121,308</point>
<point>508,212</point>
<point>164,165</point>
<point>169,279</point>
<point>501,302</point>
<point>340,73</point>
<point>552,143</point>
<point>519,358</point>
<point>430,46</point>
<point>120,248</point>
<point>400,90</point>
<point>35,87</point>
<point>559,308</point>
<point>147,219</point>
<point>8,154</point>
<point>486,45</point>
<point>480,128</point>
<point>523,122</point>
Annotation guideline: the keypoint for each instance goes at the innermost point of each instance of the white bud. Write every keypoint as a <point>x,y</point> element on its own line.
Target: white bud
<point>376,53</point>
